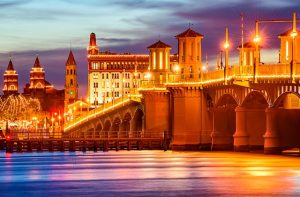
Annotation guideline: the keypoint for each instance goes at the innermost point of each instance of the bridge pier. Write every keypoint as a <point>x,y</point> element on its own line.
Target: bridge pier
<point>272,141</point>
<point>223,128</point>
<point>241,137</point>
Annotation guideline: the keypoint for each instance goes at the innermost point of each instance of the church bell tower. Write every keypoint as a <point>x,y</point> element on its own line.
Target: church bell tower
<point>71,85</point>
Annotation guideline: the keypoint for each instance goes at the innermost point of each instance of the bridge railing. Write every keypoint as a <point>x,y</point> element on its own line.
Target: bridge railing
<point>33,134</point>
<point>150,84</point>
<point>98,110</point>
<point>115,134</point>
<point>273,70</point>
<point>46,134</point>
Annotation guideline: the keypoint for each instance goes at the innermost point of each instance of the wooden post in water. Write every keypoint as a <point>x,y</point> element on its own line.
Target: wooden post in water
<point>19,147</point>
<point>72,146</point>
<point>50,146</point>
<point>84,146</point>
<point>95,146</point>
<point>9,146</point>
<point>105,146</point>
<point>62,146</point>
<point>117,145</point>
<point>1,144</point>
<point>129,145</point>
<point>40,146</point>
<point>29,146</point>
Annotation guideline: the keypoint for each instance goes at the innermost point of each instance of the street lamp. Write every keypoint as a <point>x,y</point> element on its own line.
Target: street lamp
<point>293,35</point>
<point>148,77</point>
<point>226,47</point>
<point>88,102</point>
<point>176,70</point>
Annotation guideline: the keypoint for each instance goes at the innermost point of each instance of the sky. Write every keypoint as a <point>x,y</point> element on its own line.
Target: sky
<point>49,28</point>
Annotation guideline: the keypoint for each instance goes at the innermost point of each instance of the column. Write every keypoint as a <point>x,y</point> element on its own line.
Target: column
<point>221,135</point>
<point>241,137</point>
<point>272,141</point>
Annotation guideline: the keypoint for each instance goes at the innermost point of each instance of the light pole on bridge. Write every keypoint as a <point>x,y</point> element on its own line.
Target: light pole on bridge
<point>226,46</point>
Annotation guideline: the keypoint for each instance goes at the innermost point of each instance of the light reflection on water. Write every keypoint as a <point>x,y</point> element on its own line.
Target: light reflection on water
<point>148,173</point>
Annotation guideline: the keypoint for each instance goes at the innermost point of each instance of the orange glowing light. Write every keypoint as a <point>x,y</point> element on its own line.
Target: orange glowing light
<point>256,39</point>
<point>293,34</point>
<point>226,45</point>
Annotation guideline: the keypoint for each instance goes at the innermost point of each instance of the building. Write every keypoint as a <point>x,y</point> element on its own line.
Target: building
<point>71,84</point>
<point>50,98</point>
<point>112,75</point>
<point>10,82</point>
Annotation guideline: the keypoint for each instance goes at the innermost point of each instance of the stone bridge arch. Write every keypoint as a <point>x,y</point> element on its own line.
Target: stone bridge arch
<point>251,122</point>
<point>283,123</point>
<point>224,122</point>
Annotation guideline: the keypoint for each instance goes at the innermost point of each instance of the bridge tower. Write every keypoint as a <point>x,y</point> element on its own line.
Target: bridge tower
<point>190,54</point>
<point>247,58</point>
<point>287,49</point>
<point>10,80</point>
<point>71,85</point>
<point>159,61</point>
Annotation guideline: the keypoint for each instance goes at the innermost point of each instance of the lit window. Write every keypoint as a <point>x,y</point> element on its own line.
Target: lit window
<point>160,60</point>
<point>287,50</point>
<point>154,60</point>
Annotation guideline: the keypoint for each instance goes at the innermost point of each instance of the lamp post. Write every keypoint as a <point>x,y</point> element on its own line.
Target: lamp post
<point>256,54</point>
<point>226,46</point>
<point>88,102</point>
<point>293,35</point>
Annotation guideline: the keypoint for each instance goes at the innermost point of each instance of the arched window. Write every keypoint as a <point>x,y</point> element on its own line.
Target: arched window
<point>71,82</point>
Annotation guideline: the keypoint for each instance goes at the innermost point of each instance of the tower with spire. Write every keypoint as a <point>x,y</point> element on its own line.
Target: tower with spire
<point>71,85</point>
<point>37,77</point>
<point>93,48</point>
<point>10,80</point>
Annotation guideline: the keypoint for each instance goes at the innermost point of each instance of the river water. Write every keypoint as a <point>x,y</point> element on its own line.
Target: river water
<point>148,173</point>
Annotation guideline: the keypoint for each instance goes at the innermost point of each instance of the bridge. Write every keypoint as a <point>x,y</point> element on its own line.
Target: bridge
<point>237,111</point>
<point>248,107</point>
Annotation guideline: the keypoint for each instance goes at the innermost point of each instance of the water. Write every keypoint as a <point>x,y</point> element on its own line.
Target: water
<point>148,173</point>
